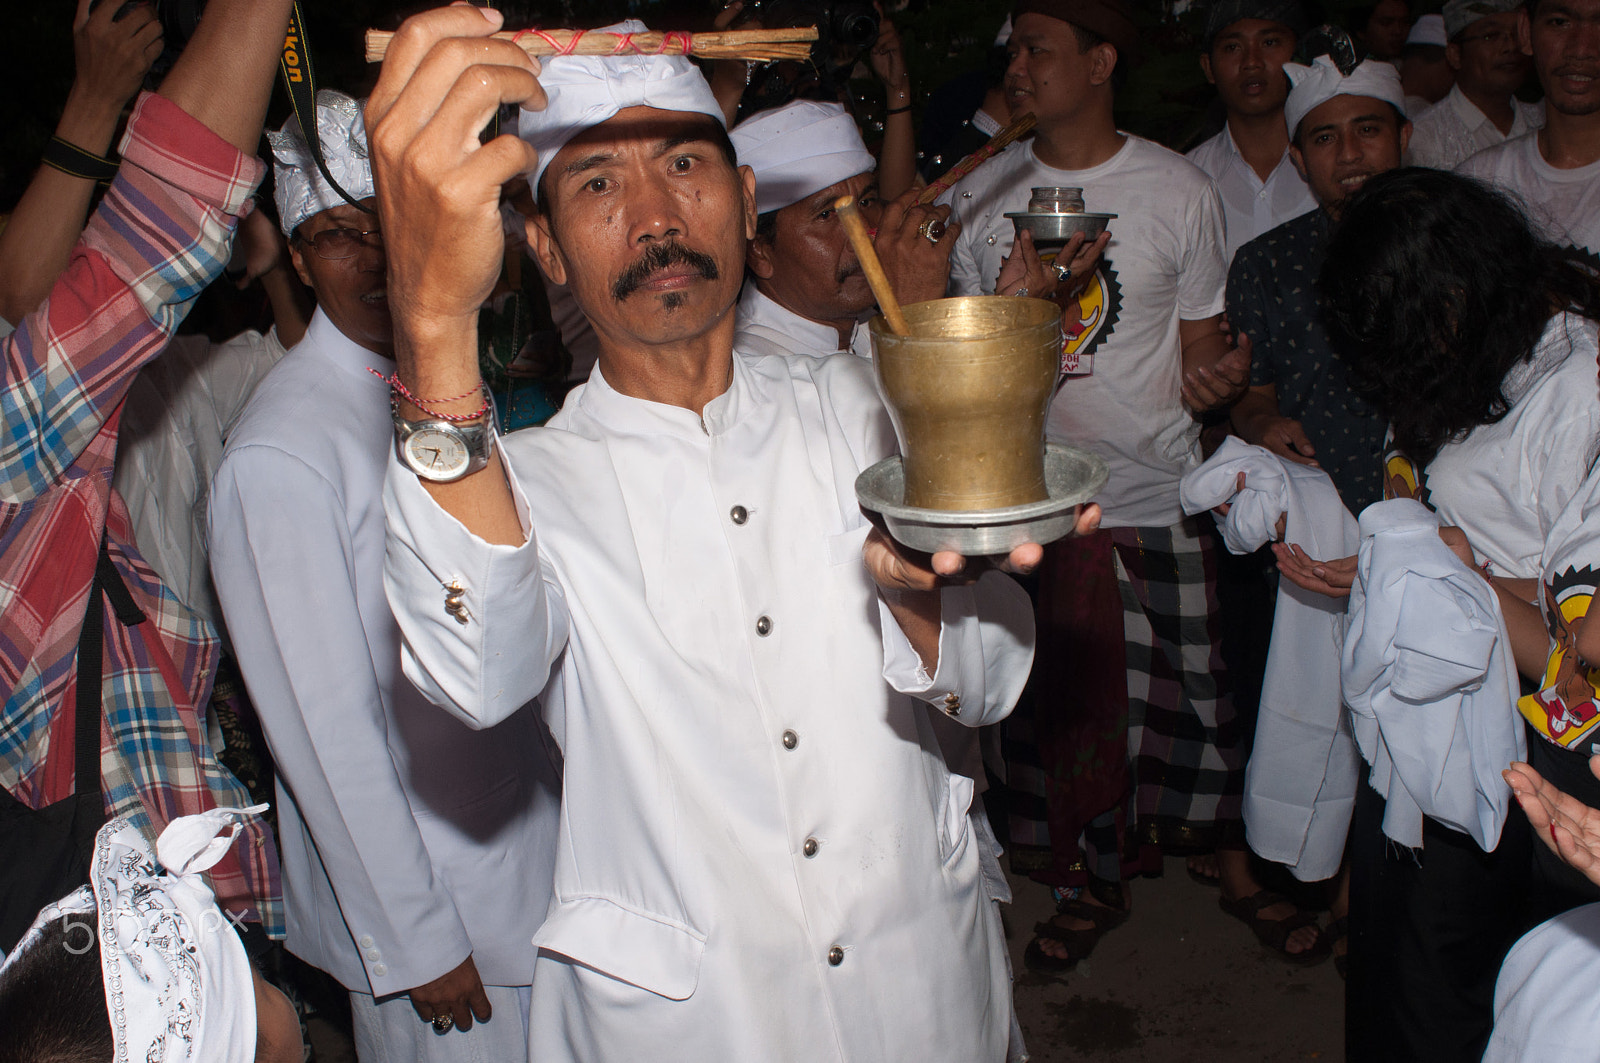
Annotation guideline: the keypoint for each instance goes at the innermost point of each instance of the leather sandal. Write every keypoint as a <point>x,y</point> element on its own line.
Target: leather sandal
<point>1079,942</point>
<point>1274,933</point>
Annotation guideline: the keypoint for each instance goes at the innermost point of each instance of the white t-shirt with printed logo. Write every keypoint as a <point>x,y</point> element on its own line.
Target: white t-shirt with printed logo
<point>1164,264</point>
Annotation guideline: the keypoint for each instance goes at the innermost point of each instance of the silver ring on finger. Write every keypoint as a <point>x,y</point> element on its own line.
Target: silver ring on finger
<point>931,230</point>
<point>1063,273</point>
<point>1020,292</point>
<point>444,1023</point>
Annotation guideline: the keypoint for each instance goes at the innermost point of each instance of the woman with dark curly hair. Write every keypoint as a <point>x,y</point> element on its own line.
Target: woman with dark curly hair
<point>1477,340</point>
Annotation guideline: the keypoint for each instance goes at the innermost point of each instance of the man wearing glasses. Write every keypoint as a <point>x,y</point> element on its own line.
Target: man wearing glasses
<point>417,853</point>
<point>1480,110</point>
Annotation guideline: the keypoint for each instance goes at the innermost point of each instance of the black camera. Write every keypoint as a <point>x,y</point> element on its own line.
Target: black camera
<point>846,29</point>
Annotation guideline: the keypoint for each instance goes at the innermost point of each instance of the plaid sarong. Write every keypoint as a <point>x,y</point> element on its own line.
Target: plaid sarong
<point>1183,736</point>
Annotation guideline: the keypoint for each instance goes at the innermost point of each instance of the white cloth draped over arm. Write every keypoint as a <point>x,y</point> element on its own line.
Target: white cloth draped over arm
<point>1300,783</point>
<point>303,647</point>
<point>1428,675</point>
<point>479,671</point>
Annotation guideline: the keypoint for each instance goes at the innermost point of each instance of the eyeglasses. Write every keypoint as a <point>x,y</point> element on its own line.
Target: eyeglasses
<point>336,244</point>
<point>1498,39</point>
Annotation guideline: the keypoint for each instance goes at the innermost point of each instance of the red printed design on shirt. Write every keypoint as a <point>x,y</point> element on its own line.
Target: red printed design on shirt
<point>1564,708</point>
<point>1087,320</point>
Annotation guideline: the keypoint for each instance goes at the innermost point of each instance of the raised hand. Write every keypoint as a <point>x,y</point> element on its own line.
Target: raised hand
<point>439,188</point>
<point>918,268</point>
<point>112,55</point>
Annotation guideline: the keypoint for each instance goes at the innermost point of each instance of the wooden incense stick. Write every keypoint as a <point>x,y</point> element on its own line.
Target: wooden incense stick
<point>762,46</point>
<point>1015,131</point>
<point>879,280</point>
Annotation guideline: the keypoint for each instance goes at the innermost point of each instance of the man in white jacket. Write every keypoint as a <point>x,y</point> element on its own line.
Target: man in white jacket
<point>762,854</point>
<point>417,852</point>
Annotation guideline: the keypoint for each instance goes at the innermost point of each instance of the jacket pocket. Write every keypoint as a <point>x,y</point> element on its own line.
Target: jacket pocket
<point>955,826</point>
<point>631,946</point>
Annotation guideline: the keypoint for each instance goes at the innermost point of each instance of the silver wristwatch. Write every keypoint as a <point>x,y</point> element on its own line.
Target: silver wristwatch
<point>441,451</point>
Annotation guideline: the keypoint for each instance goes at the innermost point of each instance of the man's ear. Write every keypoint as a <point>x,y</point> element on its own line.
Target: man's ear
<point>542,244</point>
<point>758,256</point>
<point>1405,137</point>
<point>1299,161</point>
<point>1205,67</point>
<point>1524,30</point>
<point>1452,56</point>
<point>747,182</point>
<point>1104,62</point>
<point>298,261</point>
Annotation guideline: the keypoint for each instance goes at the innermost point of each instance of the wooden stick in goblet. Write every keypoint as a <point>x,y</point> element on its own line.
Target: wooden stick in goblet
<point>856,229</point>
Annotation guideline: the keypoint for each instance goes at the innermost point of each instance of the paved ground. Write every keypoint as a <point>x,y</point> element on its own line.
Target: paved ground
<point>1179,981</point>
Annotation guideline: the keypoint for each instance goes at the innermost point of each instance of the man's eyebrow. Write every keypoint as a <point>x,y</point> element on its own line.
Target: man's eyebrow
<point>588,162</point>
<point>679,141</point>
<point>1375,116</point>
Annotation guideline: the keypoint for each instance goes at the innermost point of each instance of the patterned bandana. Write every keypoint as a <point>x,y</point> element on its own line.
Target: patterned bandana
<point>179,987</point>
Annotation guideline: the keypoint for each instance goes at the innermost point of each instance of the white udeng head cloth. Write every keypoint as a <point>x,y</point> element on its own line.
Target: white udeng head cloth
<point>300,190</point>
<point>1320,82</point>
<point>799,149</point>
<point>179,987</point>
<point>585,90</point>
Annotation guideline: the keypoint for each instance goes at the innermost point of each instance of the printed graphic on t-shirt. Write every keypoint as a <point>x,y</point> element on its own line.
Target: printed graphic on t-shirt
<point>1402,478</point>
<point>1564,708</point>
<point>1087,320</point>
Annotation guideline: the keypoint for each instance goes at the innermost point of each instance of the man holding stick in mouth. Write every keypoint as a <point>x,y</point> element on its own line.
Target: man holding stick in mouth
<point>762,854</point>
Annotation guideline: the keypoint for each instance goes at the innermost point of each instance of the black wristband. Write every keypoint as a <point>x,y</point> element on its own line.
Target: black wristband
<point>71,159</point>
<point>897,110</point>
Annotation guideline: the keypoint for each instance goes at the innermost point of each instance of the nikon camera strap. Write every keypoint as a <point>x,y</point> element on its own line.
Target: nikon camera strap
<point>301,82</point>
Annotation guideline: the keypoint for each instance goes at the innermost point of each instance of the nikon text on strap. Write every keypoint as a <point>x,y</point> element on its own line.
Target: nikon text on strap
<point>301,82</point>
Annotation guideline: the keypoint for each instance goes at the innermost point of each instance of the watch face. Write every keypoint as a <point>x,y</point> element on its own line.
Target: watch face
<point>434,452</point>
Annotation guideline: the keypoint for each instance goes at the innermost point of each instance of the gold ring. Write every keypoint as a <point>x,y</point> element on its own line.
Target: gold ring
<point>932,230</point>
<point>443,1023</point>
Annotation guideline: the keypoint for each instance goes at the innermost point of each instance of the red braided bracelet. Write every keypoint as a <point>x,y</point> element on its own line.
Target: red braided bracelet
<point>427,405</point>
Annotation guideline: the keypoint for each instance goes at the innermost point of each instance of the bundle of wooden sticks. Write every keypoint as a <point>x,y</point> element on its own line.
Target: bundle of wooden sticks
<point>762,46</point>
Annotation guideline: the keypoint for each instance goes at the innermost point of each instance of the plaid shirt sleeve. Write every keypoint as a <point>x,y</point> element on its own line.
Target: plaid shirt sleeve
<point>159,238</point>
<point>161,235</point>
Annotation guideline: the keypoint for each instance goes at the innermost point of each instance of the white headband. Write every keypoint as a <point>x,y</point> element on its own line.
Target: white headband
<point>179,987</point>
<point>300,191</point>
<point>1320,82</point>
<point>584,90</point>
<point>799,149</point>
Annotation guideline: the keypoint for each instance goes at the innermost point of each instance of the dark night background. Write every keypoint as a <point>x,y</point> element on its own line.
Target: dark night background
<point>1166,99</point>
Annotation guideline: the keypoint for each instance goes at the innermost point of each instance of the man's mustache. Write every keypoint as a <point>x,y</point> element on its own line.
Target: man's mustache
<point>657,258</point>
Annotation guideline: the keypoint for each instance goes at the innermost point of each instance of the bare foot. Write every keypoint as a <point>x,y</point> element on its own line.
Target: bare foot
<point>1204,865</point>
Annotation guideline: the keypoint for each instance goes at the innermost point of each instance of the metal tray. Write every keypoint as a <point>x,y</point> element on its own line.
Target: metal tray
<point>1072,476</point>
<point>1058,228</point>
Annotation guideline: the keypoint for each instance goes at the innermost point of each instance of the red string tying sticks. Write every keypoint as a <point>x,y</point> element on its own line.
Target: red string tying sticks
<point>673,42</point>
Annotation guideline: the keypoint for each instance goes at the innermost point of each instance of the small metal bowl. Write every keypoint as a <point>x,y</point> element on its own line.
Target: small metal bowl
<point>1058,228</point>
